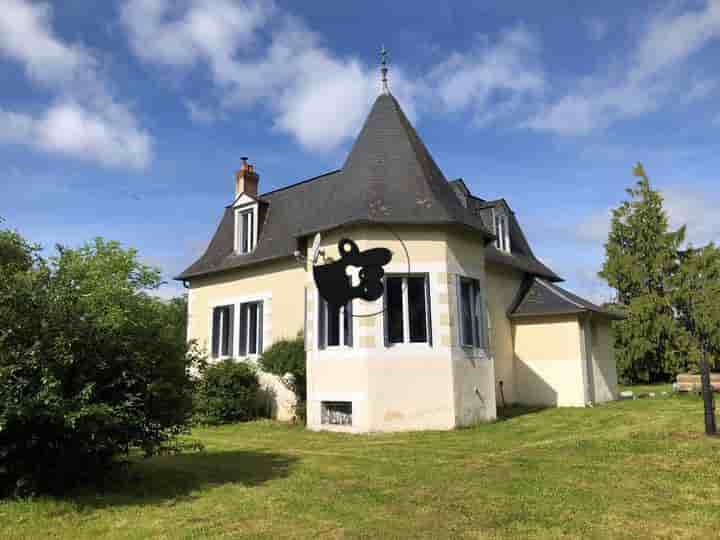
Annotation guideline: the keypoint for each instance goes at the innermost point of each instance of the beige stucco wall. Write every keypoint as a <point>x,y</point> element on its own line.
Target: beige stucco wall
<point>503,286</point>
<point>549,361</point>
<point>280,286</point>
<point>473,368</point>
<point>603,360</point>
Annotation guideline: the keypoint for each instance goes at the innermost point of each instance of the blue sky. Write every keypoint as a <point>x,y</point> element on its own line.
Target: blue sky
<point>128,119</point>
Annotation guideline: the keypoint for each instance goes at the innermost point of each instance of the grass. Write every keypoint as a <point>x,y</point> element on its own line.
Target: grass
<point>631,469</point>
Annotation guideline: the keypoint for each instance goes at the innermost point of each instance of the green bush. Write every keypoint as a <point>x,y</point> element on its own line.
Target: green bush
<point>227,392</point>
<point>286,359</point>
<point>91,366</point>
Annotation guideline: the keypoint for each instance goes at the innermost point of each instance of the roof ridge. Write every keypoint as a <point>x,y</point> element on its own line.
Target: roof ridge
<point>307,180</point>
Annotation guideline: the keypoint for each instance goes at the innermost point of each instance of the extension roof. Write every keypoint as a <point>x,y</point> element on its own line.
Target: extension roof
<point>388,177</point>
<point>538,297</point>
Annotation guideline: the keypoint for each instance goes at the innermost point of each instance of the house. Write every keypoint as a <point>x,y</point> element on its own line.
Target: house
<point>470,319</point>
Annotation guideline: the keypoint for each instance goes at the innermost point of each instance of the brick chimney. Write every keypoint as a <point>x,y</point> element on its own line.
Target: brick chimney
<point>246,180</point>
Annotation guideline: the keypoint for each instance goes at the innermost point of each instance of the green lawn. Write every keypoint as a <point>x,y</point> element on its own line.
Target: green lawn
<point>631,469</point>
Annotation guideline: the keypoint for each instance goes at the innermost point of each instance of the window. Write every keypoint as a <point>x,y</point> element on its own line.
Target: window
<point>222,331</point>
<point>470,306</point>
<point>336,412</point>
<point>335,325</point>
<point>251,324</point>
<point>244,230</point>
<point>407,310</point>
<point>502,230</point>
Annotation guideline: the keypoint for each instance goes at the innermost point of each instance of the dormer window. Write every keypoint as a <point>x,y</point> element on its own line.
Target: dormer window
<point>245,229</point>
<point>502,230</point>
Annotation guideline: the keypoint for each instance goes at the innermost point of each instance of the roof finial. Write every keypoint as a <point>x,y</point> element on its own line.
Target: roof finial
<point>384,70</point>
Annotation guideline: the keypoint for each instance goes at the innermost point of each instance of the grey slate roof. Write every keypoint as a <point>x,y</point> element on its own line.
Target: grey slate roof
<point>388,177</point>
<point>538,297</point>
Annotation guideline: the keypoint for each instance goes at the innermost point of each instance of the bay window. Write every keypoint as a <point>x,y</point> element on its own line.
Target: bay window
<point>335,325</point>
<point>407,310</point>
<point>471,323</point>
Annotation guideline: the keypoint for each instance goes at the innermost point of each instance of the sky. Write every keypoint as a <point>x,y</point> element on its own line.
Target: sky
<point>128,119</point>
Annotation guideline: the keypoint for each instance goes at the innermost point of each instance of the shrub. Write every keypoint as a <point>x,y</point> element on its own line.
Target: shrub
<point>286,359</point>
<point>227,392</point>
<point>91,366</point>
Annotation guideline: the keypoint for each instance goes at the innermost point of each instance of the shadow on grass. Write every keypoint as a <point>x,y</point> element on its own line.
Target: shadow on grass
<point>513,411</point>
<point>171,479</point>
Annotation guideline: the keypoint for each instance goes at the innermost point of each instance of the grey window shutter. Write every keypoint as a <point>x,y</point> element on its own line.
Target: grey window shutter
<point>386,317</point>
<point>230,330</point>
<point>305,318</point>
<point>243,329</point>
<point>478,309</point>
<point>215,332</point>
<point>260,327</point>
<point>321,322</point>
<point>459,302</point>
<point>427,309</point>
<point>349,324</point>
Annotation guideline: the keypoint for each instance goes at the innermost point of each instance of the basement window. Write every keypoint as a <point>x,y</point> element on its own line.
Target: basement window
<point>336,413</point>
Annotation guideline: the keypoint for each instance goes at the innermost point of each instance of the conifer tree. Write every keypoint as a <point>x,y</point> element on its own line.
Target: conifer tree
<point>641,260</point>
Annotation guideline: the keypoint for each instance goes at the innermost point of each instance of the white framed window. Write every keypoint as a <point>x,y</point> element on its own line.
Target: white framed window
<point>335,326</point>
<point>222,331</point>
<point>502,230</point>
<point>471,320</point>
<point>245,229</point>
<point>250,328</point>
<point>407,310</point>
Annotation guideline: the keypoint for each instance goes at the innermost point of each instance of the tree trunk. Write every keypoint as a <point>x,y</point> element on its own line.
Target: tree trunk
<point>708,398</point>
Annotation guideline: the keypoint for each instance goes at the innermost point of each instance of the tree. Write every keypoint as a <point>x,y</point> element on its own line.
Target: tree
<point>91,365</point>
<point>696,296</point>
<point>641,260</point>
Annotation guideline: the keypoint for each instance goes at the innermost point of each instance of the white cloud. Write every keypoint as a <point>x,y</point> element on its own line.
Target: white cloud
<point>596,27</point>
<point>696,209</point>
<point>84,121</point>
<point>643,83</point>
<point>200,114</point>
<point>684,206</point>
<point>256,53</point>
<point>494,79</point>
<point>27,37</point>
<point>67,128</point>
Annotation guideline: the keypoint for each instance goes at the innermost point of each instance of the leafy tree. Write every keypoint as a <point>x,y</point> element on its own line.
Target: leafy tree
<point>227,392</point>
<point>696,296</point>
<point>286,359</point>
<point>641,260</point>
<point>91,365</point>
